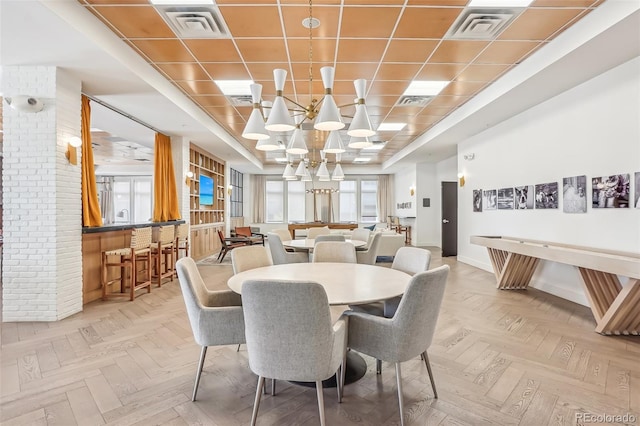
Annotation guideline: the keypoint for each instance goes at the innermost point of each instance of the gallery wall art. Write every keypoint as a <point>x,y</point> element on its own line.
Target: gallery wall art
<point>490,199</point>
<point>477,200</point>
<point>610,191</point>
<point>524,197</point>
<point>637,199</point>
<point>505,199</point>
<point>547,195</point>
<point>574,194</point>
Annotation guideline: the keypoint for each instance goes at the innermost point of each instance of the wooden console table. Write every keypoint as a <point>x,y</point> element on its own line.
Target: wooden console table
<point>294,226</point>
<point>615,308</point>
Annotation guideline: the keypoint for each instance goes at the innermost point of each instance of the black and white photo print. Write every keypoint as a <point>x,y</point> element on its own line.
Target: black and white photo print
<point>524,197</point>
<point>490,199</point>
<point>574,194</point>
<point>547,195</point>
<point>610,191</point>
<point>505,198</point>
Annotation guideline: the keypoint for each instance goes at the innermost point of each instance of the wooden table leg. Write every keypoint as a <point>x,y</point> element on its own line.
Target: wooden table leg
<point>513,271</point>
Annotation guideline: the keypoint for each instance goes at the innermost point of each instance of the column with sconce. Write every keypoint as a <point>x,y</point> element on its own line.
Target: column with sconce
<point>42,226</point>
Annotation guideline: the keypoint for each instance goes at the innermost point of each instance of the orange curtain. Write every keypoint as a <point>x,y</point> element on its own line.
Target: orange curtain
<point>165,197</point>
<point>90,206</point>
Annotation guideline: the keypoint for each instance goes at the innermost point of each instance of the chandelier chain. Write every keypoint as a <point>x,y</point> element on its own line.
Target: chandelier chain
<point>311,48</point>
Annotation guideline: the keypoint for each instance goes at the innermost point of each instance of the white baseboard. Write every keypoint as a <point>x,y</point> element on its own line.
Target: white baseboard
<point>473,262</point>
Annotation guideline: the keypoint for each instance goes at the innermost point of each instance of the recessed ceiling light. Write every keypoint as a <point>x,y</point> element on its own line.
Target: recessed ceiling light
<point>182,2</point>
<point>391,126</point>
<point>361,160</point>
<point>282,160</point>
<point>377,146</point>
<point>500,3</point>
<point>425,88</point>
<point>234,87</point>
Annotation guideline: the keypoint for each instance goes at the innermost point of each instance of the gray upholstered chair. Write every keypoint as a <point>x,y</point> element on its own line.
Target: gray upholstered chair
<point>329,237</point>
<point>334,251</point>
<point>409,333</point>
<point>312,233</point>
<point>290,335</point>
<point>280,256</point>
<point>250,257</point>
<point>368,256</point>
<point>215,316</point>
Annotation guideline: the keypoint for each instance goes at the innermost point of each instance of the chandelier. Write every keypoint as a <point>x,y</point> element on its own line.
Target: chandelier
<point>286,115</point>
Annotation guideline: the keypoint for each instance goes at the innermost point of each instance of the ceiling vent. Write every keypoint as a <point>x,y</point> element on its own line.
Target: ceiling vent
<point>481,24</point>
<point>240,100</point>
<point>195,22</point>
<point>413,101</point>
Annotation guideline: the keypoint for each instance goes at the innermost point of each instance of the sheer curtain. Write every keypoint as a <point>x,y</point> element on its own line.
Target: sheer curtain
<point>258,183</point>
<point>385,183</point>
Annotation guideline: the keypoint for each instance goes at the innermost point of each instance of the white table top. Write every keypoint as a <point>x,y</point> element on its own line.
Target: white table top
<point>345,283</point>
<point>308,243</point>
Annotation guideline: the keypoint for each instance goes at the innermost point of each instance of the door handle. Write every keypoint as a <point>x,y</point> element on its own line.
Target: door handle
<point>445,221</point>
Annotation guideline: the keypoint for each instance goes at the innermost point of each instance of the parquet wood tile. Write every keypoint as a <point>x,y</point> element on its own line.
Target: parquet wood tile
<point>499,358</point>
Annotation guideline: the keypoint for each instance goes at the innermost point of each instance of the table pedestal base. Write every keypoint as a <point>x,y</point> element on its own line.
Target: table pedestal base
<point>356,368</point>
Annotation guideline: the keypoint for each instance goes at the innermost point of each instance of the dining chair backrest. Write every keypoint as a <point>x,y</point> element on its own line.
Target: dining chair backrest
<point>329,237</point>
<point>280,256</point>
<point>312,233</point>
<point>250,257</point>
<point>284,234</point>
<point>288,329</point>
<point>243,231</point>
<point>334,251</point>
<point>417,313</point>
<point>369,256</point>
<point>361,234</point>
<point>411,260</point>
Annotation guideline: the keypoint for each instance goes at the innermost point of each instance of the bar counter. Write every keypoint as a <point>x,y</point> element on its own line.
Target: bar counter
<point>95,240</point>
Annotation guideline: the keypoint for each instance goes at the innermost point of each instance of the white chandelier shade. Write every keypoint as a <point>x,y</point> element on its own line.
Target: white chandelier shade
<point>300,169</point>
<point>357,142</point>
<point>307,176</point>
<point>255,126</point>
<point>338,174</point>
<point>360,125</point>
<point>329,115</point>
<point>334,144</point>
<point>289,173</point>
<point>297,145</point>
<point>279,119</point>
<point>323,172</point>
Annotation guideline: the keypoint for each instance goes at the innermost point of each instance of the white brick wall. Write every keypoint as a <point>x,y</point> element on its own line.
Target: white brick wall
<point>42,262</point>
<point>180,154</point>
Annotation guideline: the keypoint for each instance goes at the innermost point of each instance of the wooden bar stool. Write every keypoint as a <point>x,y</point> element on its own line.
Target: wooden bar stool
<point>162,248</point>
<point>182,240</point>
<point>139,251</point>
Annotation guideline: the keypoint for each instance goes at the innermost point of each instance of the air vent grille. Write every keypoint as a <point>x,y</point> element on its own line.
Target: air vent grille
<point>481,24</point>
<point>240,100</point>
<point>195,22</point>
<point>413,101</point>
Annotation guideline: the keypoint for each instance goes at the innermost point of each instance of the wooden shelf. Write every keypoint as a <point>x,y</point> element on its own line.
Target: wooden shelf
<point>206,219</point>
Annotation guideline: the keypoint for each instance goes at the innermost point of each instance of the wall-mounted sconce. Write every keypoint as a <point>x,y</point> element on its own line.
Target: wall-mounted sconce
<point>469,157</point>
<point>187,177</point>
<point>461,179</point>
<point>229,189</point>
<point>72,154</point>
<point>412,190</point>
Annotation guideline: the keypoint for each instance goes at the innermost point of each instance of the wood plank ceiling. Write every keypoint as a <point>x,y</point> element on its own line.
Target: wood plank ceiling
<point>388,42</point>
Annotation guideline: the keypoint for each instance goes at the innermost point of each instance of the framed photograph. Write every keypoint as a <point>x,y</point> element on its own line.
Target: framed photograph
<point>574,194</point>
<point>637,199</point>
<point>477,200</point>
<point>610,191</point>
<point>524,197</point>
<point>547,195</point>
<point>490,199</point>
<point>505,199</point>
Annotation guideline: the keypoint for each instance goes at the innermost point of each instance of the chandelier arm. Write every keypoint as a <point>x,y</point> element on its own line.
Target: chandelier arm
<point>347,105</point>
<point>295,103</point>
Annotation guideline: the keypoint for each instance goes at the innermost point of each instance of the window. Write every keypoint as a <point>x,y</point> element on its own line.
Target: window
<point>274,201</point>
<point>348,201</point>
<point>369,201</point>
<point>132,198</point>
<point>296,196</point>
<point>235,200</point>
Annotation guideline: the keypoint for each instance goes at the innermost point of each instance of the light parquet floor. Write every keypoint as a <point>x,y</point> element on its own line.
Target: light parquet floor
<point>499,358</point>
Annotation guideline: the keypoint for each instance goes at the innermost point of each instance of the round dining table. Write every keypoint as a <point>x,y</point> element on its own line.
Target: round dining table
<point>309,243</point>
<point>344,283</point>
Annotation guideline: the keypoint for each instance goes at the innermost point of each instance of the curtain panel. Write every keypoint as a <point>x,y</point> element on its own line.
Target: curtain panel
<point>258,184</point>
<point>90,206</point>
<point>384,197</point>
<point>165,196</point>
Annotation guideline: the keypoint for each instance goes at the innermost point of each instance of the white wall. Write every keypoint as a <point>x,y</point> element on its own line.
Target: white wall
<point>593,130</point>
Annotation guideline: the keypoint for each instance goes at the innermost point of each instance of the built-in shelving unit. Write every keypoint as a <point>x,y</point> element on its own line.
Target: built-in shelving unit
<point>206,216</point>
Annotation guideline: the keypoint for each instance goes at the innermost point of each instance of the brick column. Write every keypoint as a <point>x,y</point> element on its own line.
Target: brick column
<point>42,207</point>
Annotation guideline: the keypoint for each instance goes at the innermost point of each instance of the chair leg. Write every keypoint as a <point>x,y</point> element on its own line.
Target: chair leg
<point>256,402</point>
<point>339,383</point>
<point>273,387</point>
<point>428,364</point>
<point>378,366</point>
<point>320,401</point>
<point>400,399</point>
<point>343,371</point>
<point>224,253</point>
<point>203,354</point>
<point>238,350</point>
